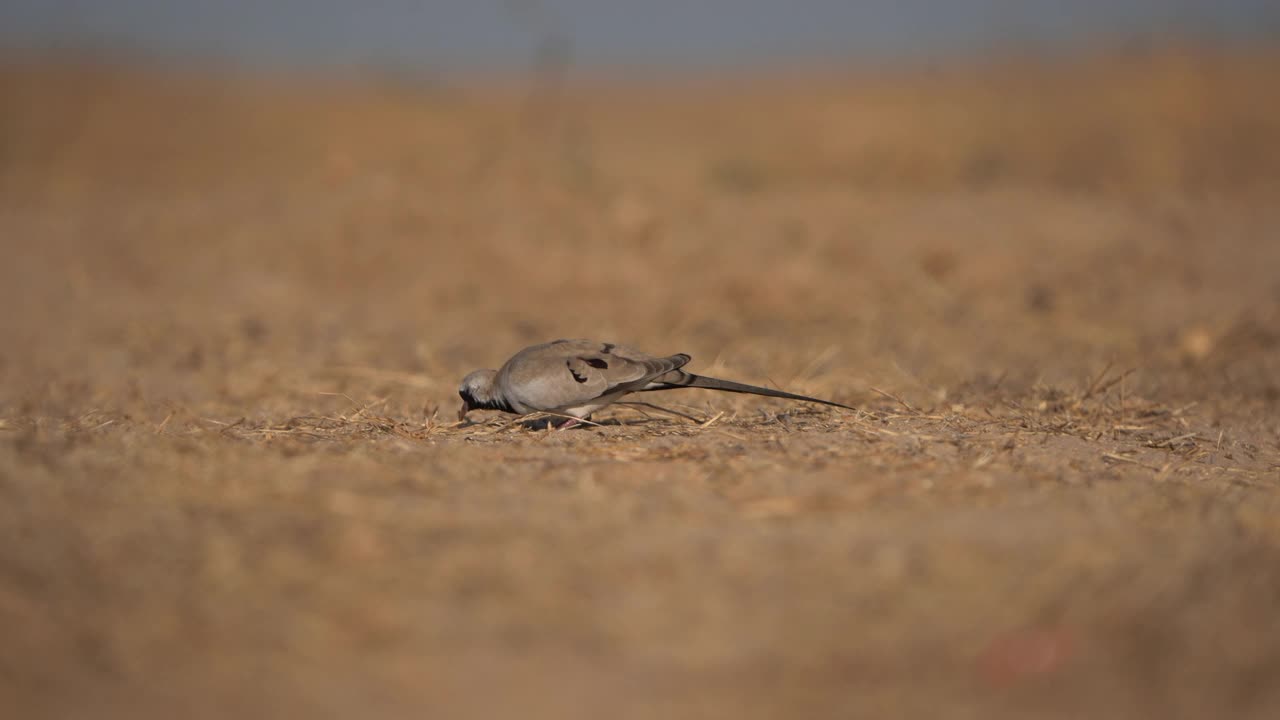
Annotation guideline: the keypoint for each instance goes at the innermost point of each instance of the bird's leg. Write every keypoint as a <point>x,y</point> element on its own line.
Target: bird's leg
<point>576,421</point>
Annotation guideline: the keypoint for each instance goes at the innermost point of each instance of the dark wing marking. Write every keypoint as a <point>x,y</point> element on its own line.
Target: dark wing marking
<point>596,363</point>
<point>649,368</point>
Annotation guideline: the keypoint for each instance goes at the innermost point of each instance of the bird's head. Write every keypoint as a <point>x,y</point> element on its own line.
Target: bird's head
<point>477,392</point>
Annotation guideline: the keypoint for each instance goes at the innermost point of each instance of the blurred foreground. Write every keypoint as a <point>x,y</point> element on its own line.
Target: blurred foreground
<point>236,310</point>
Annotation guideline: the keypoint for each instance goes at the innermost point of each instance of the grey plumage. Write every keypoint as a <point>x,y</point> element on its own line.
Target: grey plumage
<point>579,377</point>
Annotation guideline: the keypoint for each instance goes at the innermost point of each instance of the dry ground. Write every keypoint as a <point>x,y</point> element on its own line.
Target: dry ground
<point>235,310</point>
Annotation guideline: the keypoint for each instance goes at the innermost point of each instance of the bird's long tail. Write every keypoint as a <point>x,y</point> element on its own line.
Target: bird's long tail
<point>681,379</point>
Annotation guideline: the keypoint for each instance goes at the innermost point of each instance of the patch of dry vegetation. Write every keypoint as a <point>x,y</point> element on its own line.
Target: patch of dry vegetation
<point>236,311</point>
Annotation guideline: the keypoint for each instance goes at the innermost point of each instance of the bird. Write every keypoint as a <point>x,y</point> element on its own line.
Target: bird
<point>576,378</point>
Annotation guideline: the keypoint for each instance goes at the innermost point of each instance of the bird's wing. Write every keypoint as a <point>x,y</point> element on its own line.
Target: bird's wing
<point>574,373</point>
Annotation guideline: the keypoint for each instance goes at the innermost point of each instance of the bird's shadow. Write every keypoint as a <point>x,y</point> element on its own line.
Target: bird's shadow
<point>553,423</point>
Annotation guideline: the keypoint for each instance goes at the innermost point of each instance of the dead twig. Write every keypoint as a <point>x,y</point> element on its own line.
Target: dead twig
<point>712,421</point>
<point>1122,459</point>
<point>1172,441</point>
<point>895,398</point>
<point>1094,386</point>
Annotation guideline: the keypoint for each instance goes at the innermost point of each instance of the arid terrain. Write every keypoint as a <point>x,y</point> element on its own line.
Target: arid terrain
<point>235,310</point>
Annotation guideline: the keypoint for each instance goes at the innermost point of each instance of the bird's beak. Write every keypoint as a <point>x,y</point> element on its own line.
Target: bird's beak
<point>462,411</point>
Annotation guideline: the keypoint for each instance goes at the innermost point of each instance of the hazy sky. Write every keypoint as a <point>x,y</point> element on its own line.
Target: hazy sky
<point>456,34</point>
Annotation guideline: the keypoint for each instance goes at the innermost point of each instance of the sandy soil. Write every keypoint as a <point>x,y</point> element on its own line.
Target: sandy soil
<point>236,309</point>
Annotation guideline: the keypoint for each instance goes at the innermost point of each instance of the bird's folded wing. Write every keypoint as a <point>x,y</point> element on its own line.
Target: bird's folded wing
<point>569,373</point>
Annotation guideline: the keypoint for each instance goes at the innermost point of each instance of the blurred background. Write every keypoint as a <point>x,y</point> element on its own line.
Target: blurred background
<point>329,166</point>
<point>248,249</point>
<point>504,34</point>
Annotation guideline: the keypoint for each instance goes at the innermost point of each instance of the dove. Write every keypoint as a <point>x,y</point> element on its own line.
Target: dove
<point>579,377</point>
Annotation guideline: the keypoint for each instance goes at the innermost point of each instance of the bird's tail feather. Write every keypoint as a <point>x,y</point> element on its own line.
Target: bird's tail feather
<point>681,379</point>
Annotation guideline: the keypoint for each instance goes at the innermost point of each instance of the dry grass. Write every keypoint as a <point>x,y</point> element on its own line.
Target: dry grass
<point>236,310</point>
